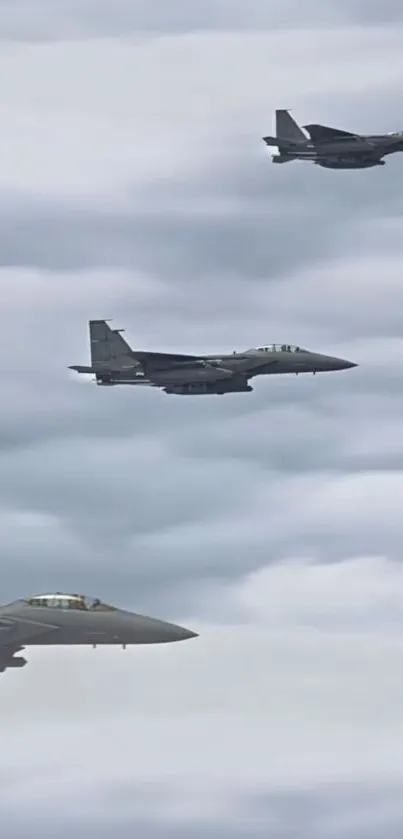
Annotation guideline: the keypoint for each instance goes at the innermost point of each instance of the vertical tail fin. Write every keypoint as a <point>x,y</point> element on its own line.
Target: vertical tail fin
<point>108,347</point>
<point>288,129</point>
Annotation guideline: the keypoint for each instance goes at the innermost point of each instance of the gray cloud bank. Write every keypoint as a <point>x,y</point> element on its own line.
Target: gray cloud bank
<point>134,184</point>
<point>318,814</point>
<point>39,19</point>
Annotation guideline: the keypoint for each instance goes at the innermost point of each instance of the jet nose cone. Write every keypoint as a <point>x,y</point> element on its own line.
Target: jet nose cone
<point>179,633</point>
<point>185,634</point>
<point>345,365</point>
<point>339,364</point>
<point>141,629</point>
<point>161,632</point>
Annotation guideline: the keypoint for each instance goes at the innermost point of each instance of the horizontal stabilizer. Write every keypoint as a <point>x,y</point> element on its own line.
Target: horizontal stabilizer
<point>271,141</point>
<point>81,368</point>
<point>281,143</point>
<point>324,134</point>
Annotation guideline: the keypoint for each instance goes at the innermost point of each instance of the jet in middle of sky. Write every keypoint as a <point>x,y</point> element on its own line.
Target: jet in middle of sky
<point>113,362</point>
<point>67,619</point>
<point>331,148</point>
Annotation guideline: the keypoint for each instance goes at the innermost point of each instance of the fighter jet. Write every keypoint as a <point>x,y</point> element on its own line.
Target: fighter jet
<point>114,363</point>
<point>330,148</point>
<point>66,619</point>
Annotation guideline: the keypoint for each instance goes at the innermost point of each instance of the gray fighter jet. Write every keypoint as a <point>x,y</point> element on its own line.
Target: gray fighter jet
<point>66,619</point>
<point>330,148</point>
<point>114,363</point>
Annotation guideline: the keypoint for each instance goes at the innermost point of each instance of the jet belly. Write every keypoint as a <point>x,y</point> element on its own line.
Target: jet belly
<point>347,146</point>
<point>189,375</point>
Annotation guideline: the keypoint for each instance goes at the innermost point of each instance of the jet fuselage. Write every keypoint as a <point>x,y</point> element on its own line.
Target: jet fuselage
<point>64,619</point>
<point>113,362</point>
<point>229,373</point>
<point>331,148</point>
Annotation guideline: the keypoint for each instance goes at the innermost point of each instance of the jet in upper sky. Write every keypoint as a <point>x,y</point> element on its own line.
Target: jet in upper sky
<point>113,362</point>
<point>67,619</point>
<point>330,148</point>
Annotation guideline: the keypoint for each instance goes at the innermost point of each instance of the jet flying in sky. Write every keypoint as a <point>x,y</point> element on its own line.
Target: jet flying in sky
<point>113,362</point>
<point>71,619</point>
<point>331,148</point>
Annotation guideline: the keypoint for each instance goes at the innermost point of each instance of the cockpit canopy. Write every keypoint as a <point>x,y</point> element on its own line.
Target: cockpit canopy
<point>281,348</point>
<point>67,601</point>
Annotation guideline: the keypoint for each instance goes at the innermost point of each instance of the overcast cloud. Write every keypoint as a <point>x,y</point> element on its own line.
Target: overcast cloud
<point>134,185</point>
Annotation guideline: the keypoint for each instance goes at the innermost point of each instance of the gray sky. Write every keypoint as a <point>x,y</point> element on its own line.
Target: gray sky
<point>134,185</point>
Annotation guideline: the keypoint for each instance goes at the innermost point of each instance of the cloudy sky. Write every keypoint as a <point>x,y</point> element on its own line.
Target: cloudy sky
<point>134,185</point>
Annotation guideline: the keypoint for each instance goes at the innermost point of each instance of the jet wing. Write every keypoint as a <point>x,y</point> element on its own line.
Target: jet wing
<point>14,633</point>
<point>163,369</point>
<point>324,134</point>
<point>159,361</point>
<point>9,645</point>
<point>8,659</point>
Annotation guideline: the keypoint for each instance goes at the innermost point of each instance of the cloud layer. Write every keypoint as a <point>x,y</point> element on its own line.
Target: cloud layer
<point>134,185</point>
